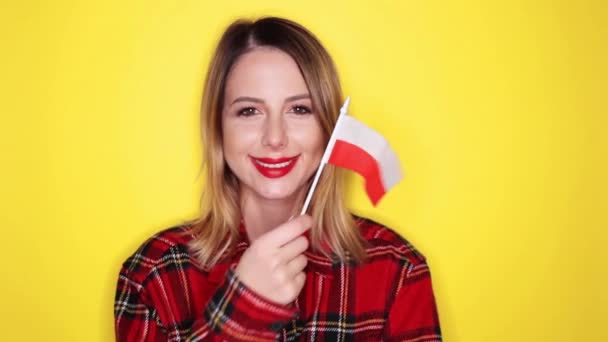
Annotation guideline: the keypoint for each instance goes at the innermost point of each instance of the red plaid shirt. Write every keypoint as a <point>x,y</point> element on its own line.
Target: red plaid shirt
<point>162,295</point>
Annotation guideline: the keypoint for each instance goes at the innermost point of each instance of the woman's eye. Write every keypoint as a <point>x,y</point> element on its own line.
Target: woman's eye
<point>299,109</point>
<point>247,111</point>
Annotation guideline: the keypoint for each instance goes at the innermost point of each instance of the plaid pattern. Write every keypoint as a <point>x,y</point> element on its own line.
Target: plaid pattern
<point>162,295</point>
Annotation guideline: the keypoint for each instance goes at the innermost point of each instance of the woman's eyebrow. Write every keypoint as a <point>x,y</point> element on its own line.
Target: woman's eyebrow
<point>258,100</point>
<point>247,99</point>
<point>297,97</point>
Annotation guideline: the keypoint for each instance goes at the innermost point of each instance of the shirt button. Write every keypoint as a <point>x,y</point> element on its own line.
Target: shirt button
<point>276,326</point>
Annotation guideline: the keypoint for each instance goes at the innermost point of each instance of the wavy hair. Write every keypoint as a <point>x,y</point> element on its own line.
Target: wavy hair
<point>334,232</point>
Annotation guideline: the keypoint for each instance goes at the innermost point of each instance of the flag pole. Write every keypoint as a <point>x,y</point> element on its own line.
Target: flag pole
<point>325,158</point>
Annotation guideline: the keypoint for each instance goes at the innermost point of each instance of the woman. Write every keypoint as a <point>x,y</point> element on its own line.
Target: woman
<point>247,270</point>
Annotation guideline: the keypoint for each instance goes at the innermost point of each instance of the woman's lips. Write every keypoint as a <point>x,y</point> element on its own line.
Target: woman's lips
<point>274,167</point>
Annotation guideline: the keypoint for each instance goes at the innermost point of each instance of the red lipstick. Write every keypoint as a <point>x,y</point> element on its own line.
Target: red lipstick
<point>274,167</point>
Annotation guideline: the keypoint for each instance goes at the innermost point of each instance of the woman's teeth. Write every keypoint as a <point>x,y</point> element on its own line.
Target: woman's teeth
<point>274,166</point>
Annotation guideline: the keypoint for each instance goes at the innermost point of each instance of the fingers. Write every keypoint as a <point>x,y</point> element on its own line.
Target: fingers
<point>297,265</point>
<point>286,232</point>
<point>290,290</point>
<point>300,280</point>
<point>293,248</point>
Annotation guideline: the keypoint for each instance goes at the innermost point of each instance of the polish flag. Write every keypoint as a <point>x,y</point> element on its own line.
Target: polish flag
<point>356,147</point>
<point>361,149</point>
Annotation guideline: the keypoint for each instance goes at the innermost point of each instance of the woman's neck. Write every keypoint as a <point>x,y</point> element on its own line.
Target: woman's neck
<point>263,215</point>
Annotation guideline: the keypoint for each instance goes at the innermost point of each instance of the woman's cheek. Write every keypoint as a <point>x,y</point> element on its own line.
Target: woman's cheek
<point>239,136</point>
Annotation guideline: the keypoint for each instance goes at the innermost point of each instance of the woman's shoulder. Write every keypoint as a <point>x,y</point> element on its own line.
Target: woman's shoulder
<point>164,248</point>
<point>383,241</point>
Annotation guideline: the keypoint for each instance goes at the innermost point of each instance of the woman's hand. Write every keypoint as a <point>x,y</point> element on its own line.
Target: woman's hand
<point>273,266</point>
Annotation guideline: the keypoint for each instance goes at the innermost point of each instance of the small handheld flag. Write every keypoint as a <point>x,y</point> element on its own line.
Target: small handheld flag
<point>355,146</point>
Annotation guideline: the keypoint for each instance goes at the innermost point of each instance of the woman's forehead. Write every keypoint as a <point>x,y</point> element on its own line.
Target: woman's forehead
<point>264,72</point>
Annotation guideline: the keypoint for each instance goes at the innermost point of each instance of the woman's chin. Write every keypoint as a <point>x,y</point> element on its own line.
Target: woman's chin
<point>276,195</point>
<point>276,192</point>
<point>277,189</point>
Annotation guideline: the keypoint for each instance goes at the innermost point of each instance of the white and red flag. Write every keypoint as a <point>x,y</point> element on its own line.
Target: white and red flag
<point>356,147</point>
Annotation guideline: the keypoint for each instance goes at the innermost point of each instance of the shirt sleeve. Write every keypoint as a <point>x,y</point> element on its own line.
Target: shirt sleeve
<point>234,313</point>
<point>413,314</point>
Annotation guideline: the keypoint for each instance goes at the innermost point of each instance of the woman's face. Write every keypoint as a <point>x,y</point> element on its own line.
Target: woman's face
<point>272,138</point>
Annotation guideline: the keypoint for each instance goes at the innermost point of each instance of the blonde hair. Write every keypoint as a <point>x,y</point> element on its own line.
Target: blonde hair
<point>216,231</point>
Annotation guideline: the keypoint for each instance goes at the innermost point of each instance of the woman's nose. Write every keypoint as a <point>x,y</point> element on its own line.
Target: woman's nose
<point>275,134</point>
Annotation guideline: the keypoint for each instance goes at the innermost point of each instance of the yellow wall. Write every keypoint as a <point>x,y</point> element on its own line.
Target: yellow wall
<point>497,110</point>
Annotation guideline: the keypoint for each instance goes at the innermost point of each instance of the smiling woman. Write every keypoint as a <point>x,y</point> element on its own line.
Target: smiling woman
<point>272,139</point>
<point>246,269</point>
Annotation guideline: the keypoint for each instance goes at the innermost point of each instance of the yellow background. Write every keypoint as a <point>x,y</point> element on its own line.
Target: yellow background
<point>497,110</point>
